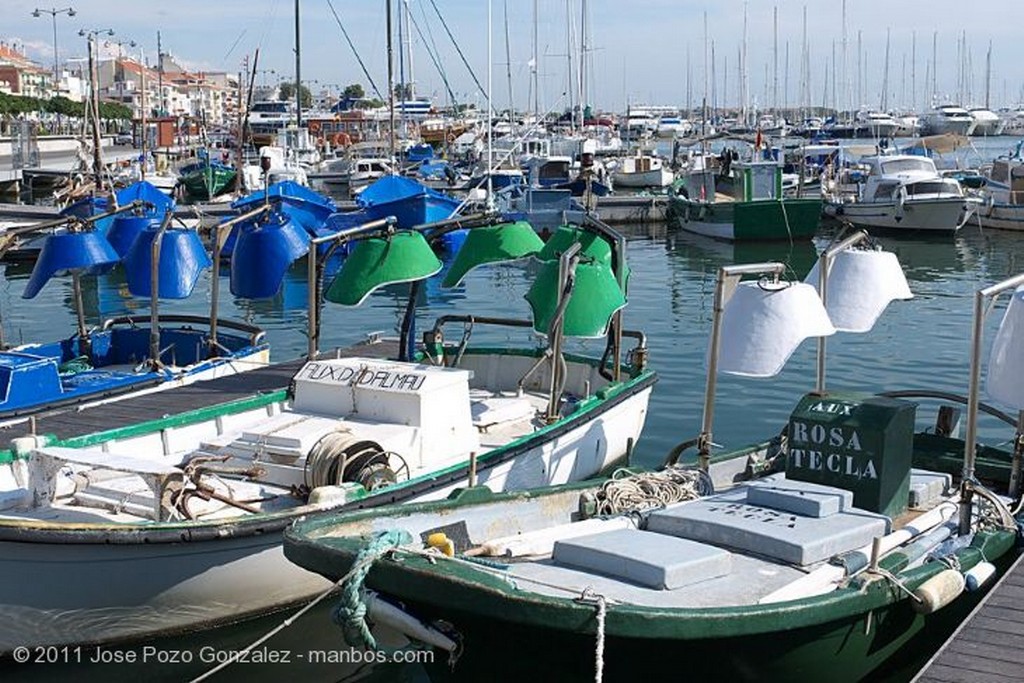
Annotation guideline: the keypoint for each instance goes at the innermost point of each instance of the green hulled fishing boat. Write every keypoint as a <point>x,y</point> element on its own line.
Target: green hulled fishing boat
<point>756,209</point>
<point>206,179</point>
<point>831,552</point>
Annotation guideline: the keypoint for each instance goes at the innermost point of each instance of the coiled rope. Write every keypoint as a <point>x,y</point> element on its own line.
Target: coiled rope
<point>350,613</point>
<point>646,490</point>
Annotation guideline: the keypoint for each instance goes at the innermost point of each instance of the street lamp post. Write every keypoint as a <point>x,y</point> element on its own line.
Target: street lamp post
<point>94,90</point>
<point>70,11</point>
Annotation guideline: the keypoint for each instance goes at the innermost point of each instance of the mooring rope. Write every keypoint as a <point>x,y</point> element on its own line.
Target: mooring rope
<point>590,597</point>
<point>381,543</point>
<point>350,613</point>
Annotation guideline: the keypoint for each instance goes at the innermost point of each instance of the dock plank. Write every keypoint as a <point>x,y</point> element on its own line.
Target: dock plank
<point>989,644</point>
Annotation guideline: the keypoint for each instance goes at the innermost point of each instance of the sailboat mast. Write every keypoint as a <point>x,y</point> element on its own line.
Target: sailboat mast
<point>490,113</point>
<point>391,81</point>
<point>508,67</point>
<point>775,61</point>
<point>536,66</point>
<point>583,58</point>
<point>988,74</point>
<point>410,86</point>
<point>568,56</point>
<point>885,76</point>
<point>845,69</point>
<point>298,70</point>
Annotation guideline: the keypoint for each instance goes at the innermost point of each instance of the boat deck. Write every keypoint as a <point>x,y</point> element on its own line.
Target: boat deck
<point>989,646</point>
<point>80,420</point>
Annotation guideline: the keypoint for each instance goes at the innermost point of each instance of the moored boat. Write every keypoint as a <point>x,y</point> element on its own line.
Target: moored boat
<point>757,210</point>
<point>905,192</point>
<point>175,523</point>
<point>831,552</point>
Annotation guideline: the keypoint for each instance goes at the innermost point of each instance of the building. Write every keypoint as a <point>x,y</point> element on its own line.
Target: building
<point>21,76</point>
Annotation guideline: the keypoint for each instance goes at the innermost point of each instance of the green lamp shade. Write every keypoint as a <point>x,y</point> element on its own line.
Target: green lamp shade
<point>593,301</point>
<point>402,257</point>
<point>493,244</point>
<point>591,245</point>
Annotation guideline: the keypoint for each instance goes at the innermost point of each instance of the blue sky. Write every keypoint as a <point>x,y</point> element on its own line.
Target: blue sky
<point>639,48</point>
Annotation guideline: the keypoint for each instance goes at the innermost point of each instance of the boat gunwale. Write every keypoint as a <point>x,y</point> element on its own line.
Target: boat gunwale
<point>41,531</point>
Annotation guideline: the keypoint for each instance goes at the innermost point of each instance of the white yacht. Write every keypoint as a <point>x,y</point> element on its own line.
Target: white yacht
<point>905,192</point>
<point>947,118</point>
<point>879,124</point>
<point>986,122</point>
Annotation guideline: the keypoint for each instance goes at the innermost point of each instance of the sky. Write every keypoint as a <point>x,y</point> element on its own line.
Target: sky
<point>638,51</point>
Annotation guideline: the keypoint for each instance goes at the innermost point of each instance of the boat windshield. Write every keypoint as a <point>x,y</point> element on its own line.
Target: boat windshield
<point>907,166</point>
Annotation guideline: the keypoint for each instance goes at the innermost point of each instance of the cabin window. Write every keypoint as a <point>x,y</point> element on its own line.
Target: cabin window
<point>908,166</point>
<point>885,190</point>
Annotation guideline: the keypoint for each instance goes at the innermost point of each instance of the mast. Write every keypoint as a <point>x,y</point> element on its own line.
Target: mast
<point>860,81</point>
<point>885,75</point>
<point>298,70</point>
<point>988,74</point>
<point>568,56</point>
<point>508,67</point>
<point>490,114</point>
<point>845,68</point>
<point>775,61</point>
<point>913,70</point>
<point>583,59</point>
<point>704,112</point>
<point>935,64</point>
<point>160,73</point>
<point>142,105</point>
<point>536,66</point>
<point>391,82</point>
<point>744,95</point>
<point>410,86</point>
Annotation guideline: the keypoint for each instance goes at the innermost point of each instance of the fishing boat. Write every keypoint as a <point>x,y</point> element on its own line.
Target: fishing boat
<point>641,170</point>
<point>175,523</point>
<point>411,203</point>
<point>905,192</point>
<point>826,553</point>
<point>206,178</point>
<point>1003,193</point>
<point>125,355</point>
<point>757,209</point>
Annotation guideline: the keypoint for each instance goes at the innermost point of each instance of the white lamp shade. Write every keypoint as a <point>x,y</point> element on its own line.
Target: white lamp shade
<point>761,327</point>
<point>1005,381</point>
<point>861,283</point>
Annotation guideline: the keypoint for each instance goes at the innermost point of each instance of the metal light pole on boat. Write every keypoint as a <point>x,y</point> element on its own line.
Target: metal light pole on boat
<point>1006,367</point>
<point>567,264</point>
<point>220,236</point>
<point>855,286</point>
<point>383,225</point>
<point>762,323</point>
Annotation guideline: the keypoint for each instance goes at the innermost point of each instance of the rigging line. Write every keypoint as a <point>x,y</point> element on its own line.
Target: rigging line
<point>430,34</point>
<point>433,57</point>
<point>355,52</point>
<point>234,45</point>
<point>462,56</point>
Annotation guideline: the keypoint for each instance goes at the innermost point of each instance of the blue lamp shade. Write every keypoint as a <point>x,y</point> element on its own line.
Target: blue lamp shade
<point>1005,382</point>
<point>125,229</point>
<point>182,261</point>
<point>63,253</point>
<point>262,254</point>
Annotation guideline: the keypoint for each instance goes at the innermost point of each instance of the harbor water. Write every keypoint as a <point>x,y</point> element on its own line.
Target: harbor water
<point>920,344</point>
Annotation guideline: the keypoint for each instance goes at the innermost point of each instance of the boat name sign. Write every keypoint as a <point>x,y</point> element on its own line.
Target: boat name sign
<point>861,443</point>
<point>367,377</point>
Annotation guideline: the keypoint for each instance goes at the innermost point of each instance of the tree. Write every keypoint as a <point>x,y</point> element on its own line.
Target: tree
<point>287,92</point>
<point>354,91</point>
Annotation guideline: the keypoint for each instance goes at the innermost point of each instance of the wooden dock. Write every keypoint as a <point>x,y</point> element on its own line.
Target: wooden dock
<point>72,421</point>
<point>988,647</point>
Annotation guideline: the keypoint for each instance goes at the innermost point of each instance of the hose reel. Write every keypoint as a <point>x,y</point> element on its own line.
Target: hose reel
<point>343,457</point>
